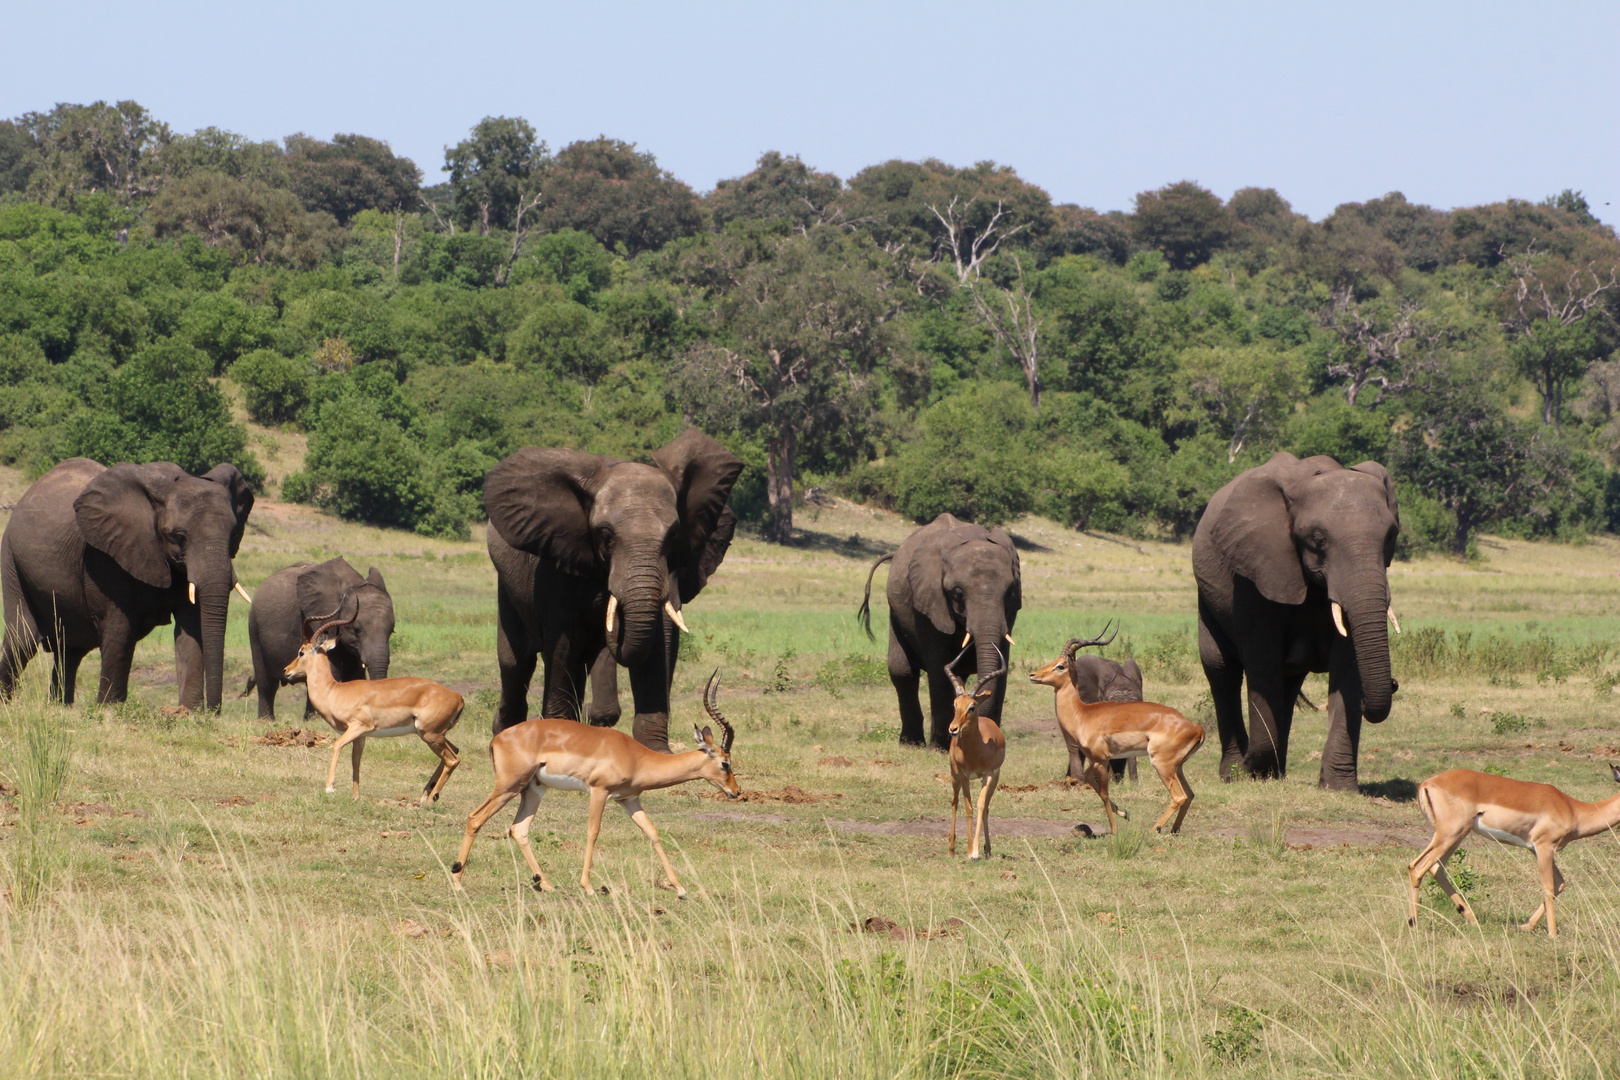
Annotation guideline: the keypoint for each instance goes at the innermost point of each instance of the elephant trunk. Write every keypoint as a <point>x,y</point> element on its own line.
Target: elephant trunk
<point>374,655</point>
<point>213,598</point>
<point>639,580</point>
<point>1369,632</point>
<point>989,646</point>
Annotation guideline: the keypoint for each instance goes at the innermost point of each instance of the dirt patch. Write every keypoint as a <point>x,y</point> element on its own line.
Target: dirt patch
<point>878,924</point>
<point>410,928</point>
<point>839,762</point>
<point>733,815</point>
<point>999,826</point>
<point>85,813</point>
<point>235,800</point>
<point>293,737</point>
<point>395,834</point>
<point>792,794</point>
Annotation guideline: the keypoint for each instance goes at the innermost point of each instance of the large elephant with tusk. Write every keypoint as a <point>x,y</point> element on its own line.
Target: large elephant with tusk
<point>1292,560</point>
<point>595,558</point>
<point>953,584</point>
<point>97,558</point>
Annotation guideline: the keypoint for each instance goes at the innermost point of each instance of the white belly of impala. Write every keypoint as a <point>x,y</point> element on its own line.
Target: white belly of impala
<point>408,728</point>
<point>1498,834</point>
<point>561,783</point>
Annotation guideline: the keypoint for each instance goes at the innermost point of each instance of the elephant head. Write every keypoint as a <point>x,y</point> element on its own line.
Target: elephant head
<point>175,531</point>
<point>1292,527</point>
<point>325,588</point>
<point>969,581</point>
<point>652,533</point>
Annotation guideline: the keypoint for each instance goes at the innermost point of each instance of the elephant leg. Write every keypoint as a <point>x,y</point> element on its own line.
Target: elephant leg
<point>941,708</point>
<point>66,673</point>
<point>188,657</point>
<point>1271,716</point>
<point>22,634</point>
<point>516,653</point>
<point>649,688</point>
<point>265,681</point>
<point>1343,746</point>
<point>604,710</point>
<point>906,679</point>
<point>1225,678</point>
<point>117,655</point>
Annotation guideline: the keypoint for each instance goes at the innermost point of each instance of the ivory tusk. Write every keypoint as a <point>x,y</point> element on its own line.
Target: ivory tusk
<point>243,592</point>
<point>613,609</point>
<point>967,637</point>
<point>1338,620</point>
<point>1010,641</point>
<point>675,616</point>
<point>192,591</point>
<point>1393,619</point>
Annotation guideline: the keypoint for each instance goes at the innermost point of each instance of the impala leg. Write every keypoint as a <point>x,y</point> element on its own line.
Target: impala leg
<point>475,821</point>
<point>981,820</point>
<point>1558,889</point>
<point>599,797</point>
<point>350,734</point>
<point>1181,775</point>
<point>1170,774</point>
<point>520,832</point>
<point>448,760</point>
<point>958,789</point>
<point>1433,857</point>
<point>1099,784</point>
<point>644,823</point>
<point>1457,898</point>
<point>356,748</point>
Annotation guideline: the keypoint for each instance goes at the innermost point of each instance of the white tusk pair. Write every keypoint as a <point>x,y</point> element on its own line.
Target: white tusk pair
<point>613,609</point>
<point>675,616</point>
<point>1393,619</point>
<point>243,592</point>
<point>1338,619</point>
<point>192,591</point>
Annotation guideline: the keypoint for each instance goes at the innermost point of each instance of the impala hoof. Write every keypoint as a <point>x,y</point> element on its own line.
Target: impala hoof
<point>1084,830</point>
<point>331,791</point>
<point>680,894</point>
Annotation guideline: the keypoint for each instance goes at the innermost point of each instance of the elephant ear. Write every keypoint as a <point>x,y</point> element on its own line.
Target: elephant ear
<point>703,472</point>
<point>1254,529</point>
<point>1133,672</point>
<point>117,513</point>
<point>1015,595</point>
<point>539,501</point>
<point>321,588</point>
<point>374,577</point>
<point>1381,474</point>
<point>925,570</point>
<point>241,492</point>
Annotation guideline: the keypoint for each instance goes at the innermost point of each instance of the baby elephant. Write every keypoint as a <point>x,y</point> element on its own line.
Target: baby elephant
<point>293,600</point>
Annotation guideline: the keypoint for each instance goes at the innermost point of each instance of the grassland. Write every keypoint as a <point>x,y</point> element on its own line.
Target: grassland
<point>184,900</point>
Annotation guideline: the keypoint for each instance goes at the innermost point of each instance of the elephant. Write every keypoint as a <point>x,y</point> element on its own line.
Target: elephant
<point>595,557</point>
<point>950,581</point>
<point>289,602</point>
<point>1099,679</point>
<point>96,558</point>
<point>1291,560</point>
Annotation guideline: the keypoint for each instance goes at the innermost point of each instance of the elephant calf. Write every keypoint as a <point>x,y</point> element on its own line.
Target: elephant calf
<point>293,600</point>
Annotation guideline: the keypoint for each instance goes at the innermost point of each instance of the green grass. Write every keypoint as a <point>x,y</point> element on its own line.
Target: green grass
<point>199,908</point>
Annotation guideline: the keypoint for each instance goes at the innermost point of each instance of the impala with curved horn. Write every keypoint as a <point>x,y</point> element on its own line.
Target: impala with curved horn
<point>1117,729</point>
<point>978,749</point>
<point>547,753</point>
<point>381,708</point>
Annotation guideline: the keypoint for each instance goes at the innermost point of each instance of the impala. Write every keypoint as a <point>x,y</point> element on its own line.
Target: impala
<point>1517,812</point>
<point>978,749</point>
<point>1123,729</point>
<point>544,753</point>
<point>376,708</point>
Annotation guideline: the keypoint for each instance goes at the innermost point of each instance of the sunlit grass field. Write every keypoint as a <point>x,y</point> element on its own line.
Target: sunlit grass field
<point>184,901</point>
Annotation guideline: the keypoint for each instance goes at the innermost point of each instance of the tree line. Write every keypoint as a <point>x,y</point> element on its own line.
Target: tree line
<point>921,335</point>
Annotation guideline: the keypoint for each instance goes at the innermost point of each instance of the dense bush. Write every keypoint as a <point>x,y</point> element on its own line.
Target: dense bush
<point>275,388</point>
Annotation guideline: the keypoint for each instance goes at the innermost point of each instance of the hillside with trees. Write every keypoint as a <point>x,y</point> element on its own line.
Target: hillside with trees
<point>920,335</point>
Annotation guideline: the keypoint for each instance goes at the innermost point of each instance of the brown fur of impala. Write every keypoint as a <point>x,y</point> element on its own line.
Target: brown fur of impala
<point>978,749</point>
<point>548,753</point>
<point>1537,816</point>
<point>377,708</point>
<point>1116,729</point>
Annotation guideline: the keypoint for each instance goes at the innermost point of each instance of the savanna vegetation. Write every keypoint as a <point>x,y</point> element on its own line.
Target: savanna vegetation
<point>920,336</point>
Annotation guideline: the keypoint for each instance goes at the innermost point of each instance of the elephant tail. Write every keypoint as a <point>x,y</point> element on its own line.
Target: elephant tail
<point>1309,704</point>
<point>253,681</point>
<point>865,613</point>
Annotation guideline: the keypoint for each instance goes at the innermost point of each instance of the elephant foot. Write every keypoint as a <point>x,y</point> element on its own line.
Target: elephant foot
<point>652,731</point>
<point>607,719</point>
<point>910,740</point>
<point>1338,781</point>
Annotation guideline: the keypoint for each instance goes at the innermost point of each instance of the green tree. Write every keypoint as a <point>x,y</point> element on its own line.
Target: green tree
<point>618,194</point>
<point>974,457</point>
<point>162,406</point>
<point>118,149</point>
<point>1185,221</point>
<point>275,388</point>
<point>494,170</point>
<point>1546,303</point>
<point>350,174</point>
<point>780,188</point>
<point>1242,393</point>
<point>253,222</point>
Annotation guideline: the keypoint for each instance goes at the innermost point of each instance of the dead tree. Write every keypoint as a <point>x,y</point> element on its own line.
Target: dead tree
<point>1370,345</point>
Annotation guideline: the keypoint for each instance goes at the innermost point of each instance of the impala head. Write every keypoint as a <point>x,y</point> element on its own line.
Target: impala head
<point>1060,671</point>
<point>966,706</point>
<point>717,770</point>
<point>321,642</point>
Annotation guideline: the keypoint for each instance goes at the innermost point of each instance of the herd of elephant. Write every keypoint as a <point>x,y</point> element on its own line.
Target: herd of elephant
<point>596,557</point>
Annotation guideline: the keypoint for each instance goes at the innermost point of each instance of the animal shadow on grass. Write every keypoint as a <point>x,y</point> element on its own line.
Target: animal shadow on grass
<point>1399,789</point>
<point>855,546</point>
<point>1024,543</point>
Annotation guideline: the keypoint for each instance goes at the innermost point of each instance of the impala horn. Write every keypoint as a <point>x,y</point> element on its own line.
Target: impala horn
<point>1075,644</point>
<point>950,673</point>
<point>710,693</point>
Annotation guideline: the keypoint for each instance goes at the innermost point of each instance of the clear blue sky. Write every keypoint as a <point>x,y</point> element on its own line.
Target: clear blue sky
<point>1451,103</point>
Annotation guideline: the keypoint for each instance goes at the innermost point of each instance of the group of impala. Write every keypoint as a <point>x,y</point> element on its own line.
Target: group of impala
<point>538,754</point>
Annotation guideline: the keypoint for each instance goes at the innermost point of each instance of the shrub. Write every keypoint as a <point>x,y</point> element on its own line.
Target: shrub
<point>225,328</point>
<point>972,458</point>
<point>275,388</point>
